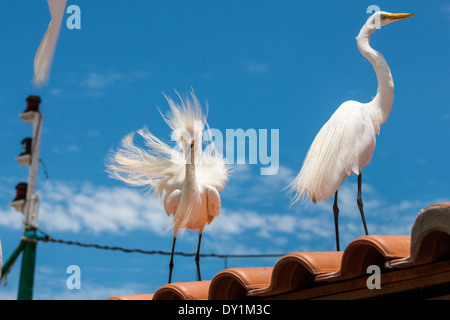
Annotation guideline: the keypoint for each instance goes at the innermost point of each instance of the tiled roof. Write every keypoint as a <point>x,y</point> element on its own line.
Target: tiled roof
<point>408,264</point>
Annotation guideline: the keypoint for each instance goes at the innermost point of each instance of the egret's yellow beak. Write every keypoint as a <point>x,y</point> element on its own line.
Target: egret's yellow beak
<point>192,142</point>
<point>398,16</point>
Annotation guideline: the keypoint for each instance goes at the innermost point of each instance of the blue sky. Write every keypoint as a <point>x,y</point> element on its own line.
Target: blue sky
<point>283,65</point>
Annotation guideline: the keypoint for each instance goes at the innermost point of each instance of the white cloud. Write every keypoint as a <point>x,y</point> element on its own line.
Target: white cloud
<point>258,68</point>
<point>11,218</point>
<point>99,209</point>
<point>56,92</point>
<point>69,148</point>
<point>96,80</point>
<point>445,9</point>
<point>96,83</point>
<point>249,188</point>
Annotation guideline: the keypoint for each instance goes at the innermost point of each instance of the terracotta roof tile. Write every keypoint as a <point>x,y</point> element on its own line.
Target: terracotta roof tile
<point>235,283</point>
<point>430,236</point>
<point>337,275</point>
<point>366,251</point>
<point>195,290</point>
<point>298,270</point>
<point>145,296</point>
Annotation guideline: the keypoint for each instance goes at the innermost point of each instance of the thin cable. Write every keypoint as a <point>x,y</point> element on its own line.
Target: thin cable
<point>86,245</point>
<point>47,180</point>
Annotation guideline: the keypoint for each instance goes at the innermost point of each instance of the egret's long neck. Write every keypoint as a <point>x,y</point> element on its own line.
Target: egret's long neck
<point>381,105</point>
<point>190,178</point>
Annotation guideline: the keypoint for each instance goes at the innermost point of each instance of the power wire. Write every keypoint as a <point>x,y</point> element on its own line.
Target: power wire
<point>47,180</point>
<point>48,238</point>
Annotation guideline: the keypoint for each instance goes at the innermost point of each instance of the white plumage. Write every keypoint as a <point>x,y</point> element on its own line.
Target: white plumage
<point>345,144</point>
<point>188,180</point>
<point>44,55</point>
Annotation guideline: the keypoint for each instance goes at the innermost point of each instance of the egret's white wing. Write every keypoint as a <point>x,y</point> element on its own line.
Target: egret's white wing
<point>343,146</point>
<point>171,201</point>
<point>214,204</point>
<point>212,171</point>
<point>159,168</point>
<point>46,50</point>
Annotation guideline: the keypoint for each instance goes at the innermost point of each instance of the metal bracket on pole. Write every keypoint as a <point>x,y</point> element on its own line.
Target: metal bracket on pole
<point>31,205</point>
<point>31,216</point>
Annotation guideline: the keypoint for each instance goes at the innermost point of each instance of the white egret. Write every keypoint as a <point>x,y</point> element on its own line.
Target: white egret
<point>188,181</point>
<point>345,144</point>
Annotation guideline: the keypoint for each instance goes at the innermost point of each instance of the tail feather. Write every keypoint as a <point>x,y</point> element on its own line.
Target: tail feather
<point>320,177</point>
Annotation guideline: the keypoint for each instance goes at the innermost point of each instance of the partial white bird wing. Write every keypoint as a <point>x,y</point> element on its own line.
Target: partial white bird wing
<point>171,201</point>
<point>44,55</point>
<point>212,171</point>
<point>343,146</point>
<point>358,139</point>
<point>214,204</point>
<point>160,168</point>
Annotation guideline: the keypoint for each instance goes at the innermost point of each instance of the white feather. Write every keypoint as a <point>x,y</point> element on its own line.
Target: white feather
<point>44,55</point>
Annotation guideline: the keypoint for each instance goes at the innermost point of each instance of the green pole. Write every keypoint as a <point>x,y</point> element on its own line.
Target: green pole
<point>27,270</point>
<point>12,259</point>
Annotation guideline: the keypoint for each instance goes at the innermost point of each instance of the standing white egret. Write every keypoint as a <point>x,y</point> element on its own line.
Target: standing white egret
<point>345,144</point>
<point>188,181</point>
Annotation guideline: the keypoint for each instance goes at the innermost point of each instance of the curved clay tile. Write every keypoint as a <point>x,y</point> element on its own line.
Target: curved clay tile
<point>368,250</point>
<point>235,283</point>
<point>430,237</point>
<point>194,290</point>
<point>298,270</point>
<point>145,296</point>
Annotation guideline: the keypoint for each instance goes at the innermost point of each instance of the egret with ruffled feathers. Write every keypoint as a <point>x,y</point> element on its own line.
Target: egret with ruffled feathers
<point>345,144</point>
<point>188,179</point>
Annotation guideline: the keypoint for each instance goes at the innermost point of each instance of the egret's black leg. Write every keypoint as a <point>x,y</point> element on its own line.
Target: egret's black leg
<point>360,203</point>
<point>197,257</point>
<point>336,214</point>
<point>171,260</point>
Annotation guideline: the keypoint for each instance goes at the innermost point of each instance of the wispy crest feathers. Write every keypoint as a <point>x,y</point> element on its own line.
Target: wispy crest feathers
<point>186,118</point>
<point>160,167</point>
